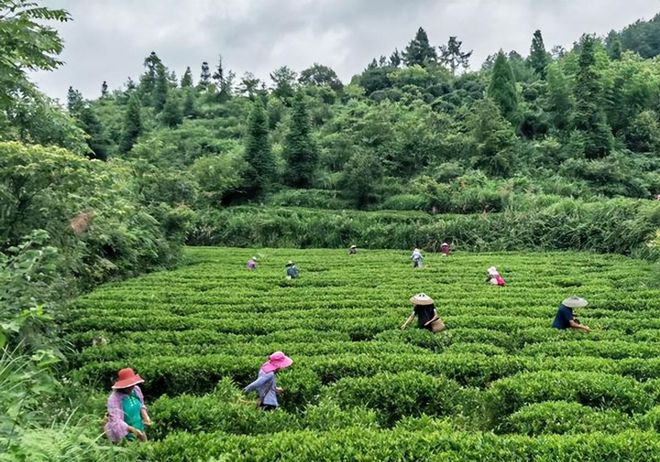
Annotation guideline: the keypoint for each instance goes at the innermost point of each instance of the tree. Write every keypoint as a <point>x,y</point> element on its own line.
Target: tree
<point>590,117</point>
<point>249,85</point>
<point>104,89</point>
<point>494,139</point>
<point>616,49</point>
<point>538,57</point>
<point>320,75</point>
<point>161,88</point>
<point>643,134</point>
<point>26,44</point>
<point>187,79</point>
<point>148,79</point>
<point>452,56</point>
<point>502,88</point>
<point>171,114</point>
<point>284,80</point>
<point>132,124</point>
<point>299,149</point>
<point>96,140</point>
<point>260,168</point>
<point>74,101</point>
<point>559,99</point>
<point>189,104</point>
<point>204,77</point>
<point>219,74</point>
<point>419,51</point>
<point>361,177</point>
<point>395,58</point>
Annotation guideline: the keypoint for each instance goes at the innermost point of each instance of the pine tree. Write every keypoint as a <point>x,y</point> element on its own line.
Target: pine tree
<point>104,89</point>
<point>494,139</point>
<point>258,155</point>
<point>204,77</point>
<point>219,74</point>
<point>502,88</point>
<point>538,57</point>
<point>96,140</point>
<point>452,56</point>
<point>590,117</point>
<point>187,80</point>
<point>171,114</point>
<point>299,148</point>
<point>148,79</point>
<point>395,58</point>
<point>559,100</point>
<point>616,50</point>
<point>74,101</point>
<point>285,81</point>
<point>419,51</point>
<point>161,88</point>
<point>132,125</point>
<point>189,104</point>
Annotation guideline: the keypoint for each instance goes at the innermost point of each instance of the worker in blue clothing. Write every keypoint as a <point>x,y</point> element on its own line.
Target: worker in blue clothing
<point>292,270</point>
<point>565,318</point>
<point>265,384</point>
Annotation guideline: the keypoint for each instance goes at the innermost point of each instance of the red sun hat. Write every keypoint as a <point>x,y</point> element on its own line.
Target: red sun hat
<point>126,378</point>
<point>276,361</point>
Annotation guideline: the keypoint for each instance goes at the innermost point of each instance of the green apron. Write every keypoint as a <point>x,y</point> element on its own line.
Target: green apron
<point>132,406</point>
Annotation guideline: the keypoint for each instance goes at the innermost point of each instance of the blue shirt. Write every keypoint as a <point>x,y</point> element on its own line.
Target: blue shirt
<point>266,388</point>
<point>563,318</point>
<point>292,271</point>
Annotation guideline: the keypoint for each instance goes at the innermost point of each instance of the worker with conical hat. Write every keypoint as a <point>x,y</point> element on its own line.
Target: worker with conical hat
<point>427,315</point>
<point>565,318</point>
<point>292,270</point>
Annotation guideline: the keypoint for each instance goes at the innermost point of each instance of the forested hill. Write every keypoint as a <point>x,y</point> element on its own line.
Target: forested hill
<point>642,37</point>
<point>414,130</point>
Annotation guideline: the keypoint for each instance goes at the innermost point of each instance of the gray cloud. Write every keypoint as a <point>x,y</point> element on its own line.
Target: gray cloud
<point>108,40</point>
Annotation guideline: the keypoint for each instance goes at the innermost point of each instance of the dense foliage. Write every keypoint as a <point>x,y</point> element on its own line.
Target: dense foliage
<point>499,381</point>
<point>580,124</point>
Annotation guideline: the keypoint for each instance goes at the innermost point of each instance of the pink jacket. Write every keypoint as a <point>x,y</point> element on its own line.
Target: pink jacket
<point>115,428</point>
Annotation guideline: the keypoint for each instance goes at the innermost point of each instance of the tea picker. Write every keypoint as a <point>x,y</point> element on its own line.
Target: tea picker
<point>493,277</point>
<point>427,316</point>
<point>265,384</point>
<point>565,318</point>
<point>417,258</point>
<point>292,270</point>
<point>127,415</point>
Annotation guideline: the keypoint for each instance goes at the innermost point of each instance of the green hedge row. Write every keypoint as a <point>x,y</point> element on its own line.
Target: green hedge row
<point>615,225</point>
<point>399,445</point>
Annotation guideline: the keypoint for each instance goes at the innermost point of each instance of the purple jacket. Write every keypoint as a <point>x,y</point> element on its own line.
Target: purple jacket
<point>115,428</point>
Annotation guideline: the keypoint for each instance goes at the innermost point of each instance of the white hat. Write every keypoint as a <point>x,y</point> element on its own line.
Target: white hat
<point>493,271</point>
<point>574,302</point>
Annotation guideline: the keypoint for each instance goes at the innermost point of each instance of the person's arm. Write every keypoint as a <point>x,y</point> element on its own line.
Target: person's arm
<point>260,382</point>
<point>578,326</point>
<point>434,318</point>
<point>408,321</point>
<point>143,410</point>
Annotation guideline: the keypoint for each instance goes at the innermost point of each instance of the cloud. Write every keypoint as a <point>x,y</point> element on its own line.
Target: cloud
<point>109,40</point>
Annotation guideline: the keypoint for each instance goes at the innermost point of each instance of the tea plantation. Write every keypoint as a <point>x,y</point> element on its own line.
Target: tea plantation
<point>499,384</point>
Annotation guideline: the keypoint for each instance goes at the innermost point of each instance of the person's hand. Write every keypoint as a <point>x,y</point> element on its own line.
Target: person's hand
<point>138,434</point>
<point>586,329</point>
<point>147,421</point>
<point>279,390</point>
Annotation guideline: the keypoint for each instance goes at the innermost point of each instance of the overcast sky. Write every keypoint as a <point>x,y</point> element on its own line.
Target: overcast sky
<point>109,39</point>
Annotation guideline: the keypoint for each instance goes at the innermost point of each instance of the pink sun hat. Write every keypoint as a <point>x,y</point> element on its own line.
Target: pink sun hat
<point>276,361</point>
